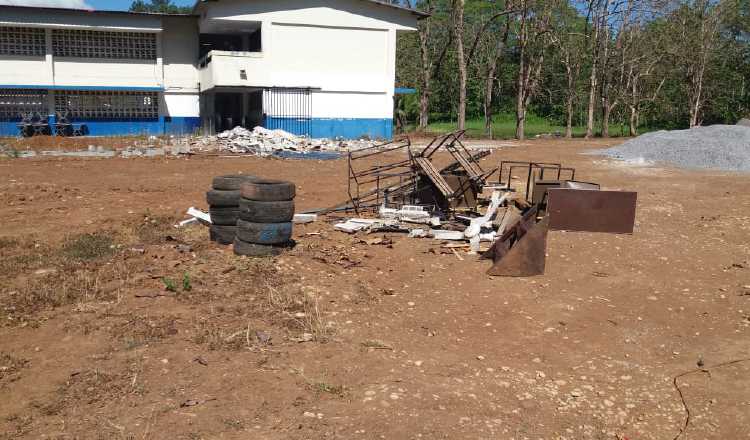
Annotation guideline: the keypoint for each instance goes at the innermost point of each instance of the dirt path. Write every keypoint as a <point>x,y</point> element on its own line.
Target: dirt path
<point>408,343</point>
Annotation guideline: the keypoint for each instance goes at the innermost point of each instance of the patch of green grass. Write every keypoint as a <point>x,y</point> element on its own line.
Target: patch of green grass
<point>187,286</point>
<point>169,284</point>
<point>323,387</point>
<point>504,127</point>
<point>89,246</point>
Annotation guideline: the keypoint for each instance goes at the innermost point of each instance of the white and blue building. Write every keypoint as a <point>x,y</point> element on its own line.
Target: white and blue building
<point>324,68</point>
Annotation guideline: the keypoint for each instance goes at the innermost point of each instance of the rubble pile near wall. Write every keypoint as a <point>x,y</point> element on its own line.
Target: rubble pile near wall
<point>265,142</point>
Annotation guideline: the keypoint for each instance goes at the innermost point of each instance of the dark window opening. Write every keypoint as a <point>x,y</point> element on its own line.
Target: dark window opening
<point>237,42</point>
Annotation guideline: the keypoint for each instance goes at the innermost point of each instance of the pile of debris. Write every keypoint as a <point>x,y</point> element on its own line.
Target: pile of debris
<point>457,204</point>
<point>264,142</point>
<point>722,147</point>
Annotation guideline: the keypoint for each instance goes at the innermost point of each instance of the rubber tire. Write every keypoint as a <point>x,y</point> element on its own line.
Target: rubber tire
<point>268,190</point>
<point>256,250</point>
<point>266,212</point>
<point>223,234</point>
<point>264,233</point>
<point>217,197</point>
<point>224,216</point>
<point>232,182</point>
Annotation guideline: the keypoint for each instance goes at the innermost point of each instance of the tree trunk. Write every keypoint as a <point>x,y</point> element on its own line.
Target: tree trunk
<point>488,88</point>
<point>490,83</point>
<point>605,117</point>
<point>424,98</point>
<point>633,131</point>
<point>593,79</point>
<point>569,116</point>
<point>458,18</point>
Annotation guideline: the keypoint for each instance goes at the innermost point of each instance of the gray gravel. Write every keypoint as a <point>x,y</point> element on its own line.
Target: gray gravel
<point>723,147</point>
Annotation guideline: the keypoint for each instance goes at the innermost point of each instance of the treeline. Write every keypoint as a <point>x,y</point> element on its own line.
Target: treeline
<point>634,63</point>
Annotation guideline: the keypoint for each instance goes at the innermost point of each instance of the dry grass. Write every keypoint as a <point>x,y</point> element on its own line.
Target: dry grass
<point>223,337</point>
<point>10,368</point>
<point>89,246</point>
<point>143,330</point>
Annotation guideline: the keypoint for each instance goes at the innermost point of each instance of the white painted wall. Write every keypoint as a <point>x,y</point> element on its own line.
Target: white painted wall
<point>344,48</point>
<point>106,73</point>
<point>25,71</point>
<point>181,104</point>
<point>179,53</point>
<point>352,105</point>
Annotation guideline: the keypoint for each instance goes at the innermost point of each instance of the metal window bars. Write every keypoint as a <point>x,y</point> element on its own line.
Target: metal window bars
<point>22,41</point>
<point>100,44</point>
<point>82,104</point>
<point>14,103</point>
<point>289,109</point>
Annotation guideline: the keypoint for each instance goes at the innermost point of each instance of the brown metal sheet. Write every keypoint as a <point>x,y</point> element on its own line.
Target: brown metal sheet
<point>525,258</point>
<point>591,210</point>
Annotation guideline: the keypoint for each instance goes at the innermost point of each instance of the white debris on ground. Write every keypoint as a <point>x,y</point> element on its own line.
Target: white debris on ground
<point>265,142</point>
<point>723,147</point>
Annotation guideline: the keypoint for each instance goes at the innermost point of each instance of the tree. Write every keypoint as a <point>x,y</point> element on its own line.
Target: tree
<point>159,6</point>
<point>532,41</point>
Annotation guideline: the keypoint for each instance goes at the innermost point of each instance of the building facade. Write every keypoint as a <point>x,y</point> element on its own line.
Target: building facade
<point>314,67</point>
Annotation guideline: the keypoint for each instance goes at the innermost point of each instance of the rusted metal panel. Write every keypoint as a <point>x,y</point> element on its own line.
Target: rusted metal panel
<point>591,210</point>
<point>526,256</point>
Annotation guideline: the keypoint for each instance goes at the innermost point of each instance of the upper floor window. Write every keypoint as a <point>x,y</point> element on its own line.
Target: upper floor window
<point>99,44</point>
<point>22,41</point>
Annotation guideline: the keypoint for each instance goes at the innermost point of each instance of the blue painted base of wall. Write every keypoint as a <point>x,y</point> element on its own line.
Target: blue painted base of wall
<point>126,127</point>
<point>351,128</point>
<point>334,128</point>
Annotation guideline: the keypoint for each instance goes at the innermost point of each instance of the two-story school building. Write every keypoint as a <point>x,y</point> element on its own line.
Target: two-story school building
<point>323,68</point>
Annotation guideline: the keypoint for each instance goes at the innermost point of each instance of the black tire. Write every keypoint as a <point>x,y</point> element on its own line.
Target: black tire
<point>232,181</point>
<point>264,233</point>
<point>266,212</point>
<point>217,197</point>
<point>223,234</point>
<point>224,216</point>
<point>268,190</point>
<point>256,250</point>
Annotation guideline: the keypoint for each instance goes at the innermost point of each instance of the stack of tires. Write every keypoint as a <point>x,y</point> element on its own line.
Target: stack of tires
<point>224,206</point>
<point>266,210</point>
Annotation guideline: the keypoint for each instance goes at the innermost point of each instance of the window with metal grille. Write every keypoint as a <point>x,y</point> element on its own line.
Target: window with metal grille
<point>16,103</point>
<point>22,41</point>
<point>99,44</point>
<point>82,104</point>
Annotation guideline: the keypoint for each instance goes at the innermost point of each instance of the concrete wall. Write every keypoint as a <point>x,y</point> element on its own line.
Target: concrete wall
<point>344,49</point>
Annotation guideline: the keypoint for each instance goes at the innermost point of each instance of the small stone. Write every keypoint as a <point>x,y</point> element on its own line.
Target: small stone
<point>418,363</point>
<point>480,357</point>
<point>576,393</point>
<point>309,414</point>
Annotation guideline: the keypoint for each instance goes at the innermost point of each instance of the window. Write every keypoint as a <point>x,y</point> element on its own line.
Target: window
<point>96,44</point>
<point>107,105</point>
<point>16,102</point>
<point>22,41</point>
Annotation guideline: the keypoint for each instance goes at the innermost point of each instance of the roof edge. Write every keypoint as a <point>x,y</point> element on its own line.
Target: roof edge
<point>97,11</point>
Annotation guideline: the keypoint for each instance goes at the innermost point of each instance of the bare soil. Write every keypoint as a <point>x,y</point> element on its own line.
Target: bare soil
<point>114,324</point>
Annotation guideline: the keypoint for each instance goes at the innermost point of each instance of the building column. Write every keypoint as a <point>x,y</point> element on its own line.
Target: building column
<point>50,65</point>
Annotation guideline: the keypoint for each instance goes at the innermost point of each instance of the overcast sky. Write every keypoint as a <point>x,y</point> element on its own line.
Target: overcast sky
<point>109,5</point>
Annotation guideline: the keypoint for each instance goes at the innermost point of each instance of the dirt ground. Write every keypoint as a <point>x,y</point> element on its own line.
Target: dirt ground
<point>117,325</point>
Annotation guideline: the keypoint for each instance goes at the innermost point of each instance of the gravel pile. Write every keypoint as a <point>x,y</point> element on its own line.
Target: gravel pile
<point>264,142</point>
<point>723,147</point>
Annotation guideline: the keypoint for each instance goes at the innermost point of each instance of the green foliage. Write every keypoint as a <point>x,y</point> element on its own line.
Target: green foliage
<point>88,246</point>
<point>661,45</point>
<point>187,286</point>
<point>159,6</point>
<point>169,284</point>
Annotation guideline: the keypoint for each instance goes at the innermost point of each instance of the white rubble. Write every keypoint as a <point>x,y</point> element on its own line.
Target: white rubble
<point>264,142</point>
